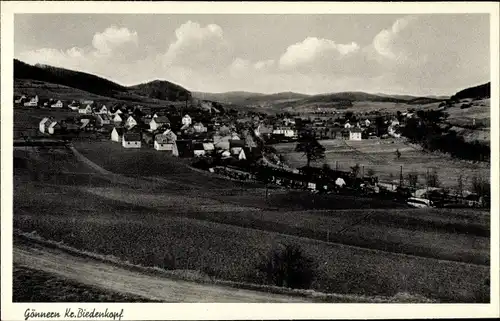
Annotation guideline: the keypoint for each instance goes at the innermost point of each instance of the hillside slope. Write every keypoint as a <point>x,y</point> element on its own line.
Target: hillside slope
<point>145,93</point>
<point>481,91</point>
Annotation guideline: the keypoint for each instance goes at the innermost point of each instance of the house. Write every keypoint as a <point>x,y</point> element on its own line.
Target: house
<point>236,146</point>
<point>347,125</point>
<point>394,122</point>
<point>103,119</point>
<point>158,122</point>
<point>117,134</point>
<point>32,103</point>
<point>85,109</point>
<point>131,140</point>
<point>74,106</point>
<point>199,128</point>
<point>285,131</point>
<point>208,147</point>
<point>131,122</point>
<point>58,104</point>
<point>394,131</point>
<point>183,148</point>
<point>54,128</point>
<point>170,134</point>
<point>87,124</point>
<point>222,142</point>
<point>186,120</point>
<point>117,118</point>
<point>198,149</point>
<point>241,155</point>
<point>367,123</point>
<point>164,142</point>
<point>41,125</point>
<point>103,110</point>
<point>355,134</point>
<point>20,99</point>
<point>263,130</point>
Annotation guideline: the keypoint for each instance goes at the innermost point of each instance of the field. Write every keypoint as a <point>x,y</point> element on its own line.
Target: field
<point>156,211</point>
<point>379,155</point>
<point>31,285</point>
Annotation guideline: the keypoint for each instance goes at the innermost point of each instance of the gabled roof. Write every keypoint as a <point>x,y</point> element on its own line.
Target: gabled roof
<point>132,137</point>
<point>355,130</point>
<point>236,143</point>
<point>119,130</point>
<point>162,120</point>
<point>163,139</point>
<point>208,146</point>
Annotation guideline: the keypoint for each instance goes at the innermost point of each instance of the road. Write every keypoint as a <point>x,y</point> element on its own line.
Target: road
<point>99,274</point>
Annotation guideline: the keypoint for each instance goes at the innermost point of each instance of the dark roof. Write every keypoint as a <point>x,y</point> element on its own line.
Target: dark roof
<point>236,143</point>
<point>132,137</point>
<point>162,119</point>
<point>119,130</point>
<point>356,130</point>
<point>198,146</point>
<point>184,148</point>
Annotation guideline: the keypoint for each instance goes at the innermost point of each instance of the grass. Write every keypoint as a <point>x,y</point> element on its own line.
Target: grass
<point>30,285</point>
<point>223,228</point>
<point>379,155</point>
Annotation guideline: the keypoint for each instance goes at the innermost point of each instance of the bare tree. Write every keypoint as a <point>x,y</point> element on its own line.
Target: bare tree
<point>355,170</point>
<point>433,179</point>
<point>413,179</point>
<point>398,154</point>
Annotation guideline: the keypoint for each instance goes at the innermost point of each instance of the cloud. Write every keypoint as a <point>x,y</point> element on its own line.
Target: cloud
<point>386,40</point>
<point>198,47</point>
<point>312,49</point>
<point>113,38</point>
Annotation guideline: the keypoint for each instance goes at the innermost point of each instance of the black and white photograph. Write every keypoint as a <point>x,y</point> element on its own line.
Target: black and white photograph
<point>191,157</point>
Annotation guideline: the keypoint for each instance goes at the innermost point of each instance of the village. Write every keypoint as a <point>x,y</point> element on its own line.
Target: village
<point>238,145</point>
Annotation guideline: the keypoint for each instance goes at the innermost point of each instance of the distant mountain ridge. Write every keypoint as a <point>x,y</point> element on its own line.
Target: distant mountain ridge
<point>148,92</point>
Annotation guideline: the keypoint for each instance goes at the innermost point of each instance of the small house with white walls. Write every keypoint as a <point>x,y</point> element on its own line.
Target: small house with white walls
<point>355,134</point>
<point>103,110</point>
<point>32,103</point>
<point>85,109</point>
<point>164,143</point>
<point>54,128</point>
<point>347,125</point>
<point>131,122</point>
<point>117,118</point>
<point>131,140</point>
<point>199,128</point>
<point>186,120</point>
<point>41,125</point>
<point>158,122</point>
<point>117,134</point>
<point>58,104</point>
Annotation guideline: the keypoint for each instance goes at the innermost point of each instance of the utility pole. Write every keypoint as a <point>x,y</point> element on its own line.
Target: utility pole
<point>401,177</point>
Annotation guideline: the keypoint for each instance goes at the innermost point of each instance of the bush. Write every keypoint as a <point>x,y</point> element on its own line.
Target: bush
<point>287,266</point>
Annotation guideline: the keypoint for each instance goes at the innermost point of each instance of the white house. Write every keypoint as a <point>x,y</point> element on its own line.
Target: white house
<point>41,125</point>
<point>199,128</point>
<point>117,118</point>
<point>186,120</point>
<point>222,142</point>
<point>131,140</point>
<point>170,135</point>
<point>288,132</point>
<point>198,150</point>
<point>131,122</point>
<point>74,106</point>
<point>54,127</point>
<point>85,110</point>
<point>117,134</point>
<point>367,122</point>
<point>347,125</point>
<point>32,103</point>
<point>103,110</point>
<point>58,104</point>
<point>355,134</point>
<point>157,122</point>
<point>20,99</point>
<point>208,147</point>
<point>393,131</point>
<point>164,142</point>
<point>103,119</point>
<point>241,155</point>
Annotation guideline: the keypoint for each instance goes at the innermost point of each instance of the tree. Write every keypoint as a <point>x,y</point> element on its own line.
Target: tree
<point>355,170</point>
<point>370,172</point>
<point>480,186</point>
<point>282,160</point>
<point>287,266</point>
<point>398,154</point>
<point>413,179</point>
<point>311,148</point>
<point>433,179</point>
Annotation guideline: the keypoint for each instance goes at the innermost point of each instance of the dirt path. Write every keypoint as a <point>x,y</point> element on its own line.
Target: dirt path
<point>103,275</point>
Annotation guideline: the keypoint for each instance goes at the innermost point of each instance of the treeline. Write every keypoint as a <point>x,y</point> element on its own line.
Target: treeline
<point>426,131</point>
<point>481,91</point>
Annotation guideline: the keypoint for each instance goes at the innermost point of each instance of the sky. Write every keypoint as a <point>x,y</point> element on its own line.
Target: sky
<point>436,54</point>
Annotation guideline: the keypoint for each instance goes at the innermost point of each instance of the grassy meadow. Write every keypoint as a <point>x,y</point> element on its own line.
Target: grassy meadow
<point>186,220</point>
